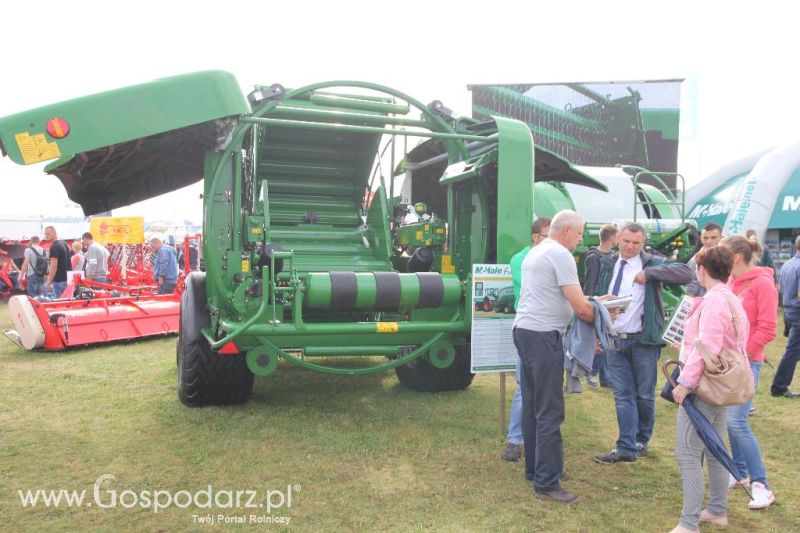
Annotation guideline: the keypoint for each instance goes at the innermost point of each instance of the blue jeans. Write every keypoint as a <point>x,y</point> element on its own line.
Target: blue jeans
<point>785,371</point>
<point>746,450</point>
<point>599,368</point>
<point>35,286</point>
<point>515,421</point>
<point>58,289</point>
<point>633,370</point>
<point>168,287</point>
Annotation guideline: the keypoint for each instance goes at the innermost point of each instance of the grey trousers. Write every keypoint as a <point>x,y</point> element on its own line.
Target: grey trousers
<point>689,452</point>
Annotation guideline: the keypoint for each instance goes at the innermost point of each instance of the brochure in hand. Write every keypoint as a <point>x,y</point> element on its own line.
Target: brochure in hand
<point>674,330</point>
<point>618,302</point>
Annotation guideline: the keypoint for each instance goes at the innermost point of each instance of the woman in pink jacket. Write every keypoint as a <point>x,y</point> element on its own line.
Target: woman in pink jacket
<point>755,287</point>
<point>712,320</point>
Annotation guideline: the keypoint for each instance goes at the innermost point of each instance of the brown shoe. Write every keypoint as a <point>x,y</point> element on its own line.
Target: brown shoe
<point>558,495</point>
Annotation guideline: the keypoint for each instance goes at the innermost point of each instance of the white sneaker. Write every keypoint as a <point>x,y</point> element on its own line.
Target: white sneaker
<point>762,496</point>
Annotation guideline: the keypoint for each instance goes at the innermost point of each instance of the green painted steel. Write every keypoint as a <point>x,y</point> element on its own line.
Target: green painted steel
<point>659,198</point>
<point>442,354</point>
<point>124,146</point>
<point>360,129</point>
<point>549,199</point>
<point>262,360</point>
<point>665,206</point>
<point>126,114</point>
<point>350,102</point>
<point>514,187</point>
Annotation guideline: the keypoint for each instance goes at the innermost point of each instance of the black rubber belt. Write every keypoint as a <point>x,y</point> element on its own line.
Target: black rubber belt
<point>344,290</point>
<point>387,291</point>
<point>431,289</point>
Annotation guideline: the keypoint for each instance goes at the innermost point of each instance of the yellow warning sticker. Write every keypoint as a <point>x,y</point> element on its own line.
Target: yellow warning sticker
<point>386,327</point>
<point>35,148</point>
<point>245,265</point>
<point>419,235</point>
<point>256,230</point>
<point>447,265</point>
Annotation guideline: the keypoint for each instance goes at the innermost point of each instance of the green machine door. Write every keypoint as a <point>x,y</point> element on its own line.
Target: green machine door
<point>123,146</point>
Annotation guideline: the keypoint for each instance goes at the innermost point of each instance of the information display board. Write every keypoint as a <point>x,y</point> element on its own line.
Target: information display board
<point>492,318</point>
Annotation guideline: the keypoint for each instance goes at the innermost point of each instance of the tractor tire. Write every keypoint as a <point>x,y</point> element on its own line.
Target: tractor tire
<point>421,375</point>
<point>204,376</point>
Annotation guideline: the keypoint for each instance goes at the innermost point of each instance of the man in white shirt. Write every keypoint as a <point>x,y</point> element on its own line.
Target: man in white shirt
<point>633,368</point>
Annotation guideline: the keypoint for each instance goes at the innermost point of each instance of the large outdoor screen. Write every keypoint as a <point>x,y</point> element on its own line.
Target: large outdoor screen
<point>596,124</point>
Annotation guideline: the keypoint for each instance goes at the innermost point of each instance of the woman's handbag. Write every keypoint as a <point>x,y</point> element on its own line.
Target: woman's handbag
<point>727,378</point>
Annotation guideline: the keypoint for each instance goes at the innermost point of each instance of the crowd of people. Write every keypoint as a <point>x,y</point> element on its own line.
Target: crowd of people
<point>735,308</point>
<point>44,271</point>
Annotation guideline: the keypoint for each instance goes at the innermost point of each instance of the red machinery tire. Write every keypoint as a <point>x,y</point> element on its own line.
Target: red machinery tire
<point>204,376</point>
<point>421,375</point>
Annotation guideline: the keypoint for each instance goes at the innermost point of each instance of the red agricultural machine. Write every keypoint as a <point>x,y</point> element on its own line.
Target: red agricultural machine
<point>127,308</point>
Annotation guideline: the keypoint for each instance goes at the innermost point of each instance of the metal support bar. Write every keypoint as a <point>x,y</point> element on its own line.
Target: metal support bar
<point>303,113</point>
<point>316,351</point>
<point>364,129</point>
<point>351,102</point>
<point>336,328</point>
<point>419,351</point>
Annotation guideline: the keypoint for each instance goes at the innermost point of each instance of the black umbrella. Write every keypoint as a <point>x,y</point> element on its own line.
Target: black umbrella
<point>706,431</point>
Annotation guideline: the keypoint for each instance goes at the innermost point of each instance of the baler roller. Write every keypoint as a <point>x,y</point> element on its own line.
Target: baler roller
<point>381,291</point>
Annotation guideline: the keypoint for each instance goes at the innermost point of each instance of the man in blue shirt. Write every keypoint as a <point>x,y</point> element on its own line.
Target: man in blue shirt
<point>165,271</point>
<point>790,292</point>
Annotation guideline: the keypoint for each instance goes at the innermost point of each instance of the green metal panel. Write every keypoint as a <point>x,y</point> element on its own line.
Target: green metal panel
<point>549,200</point>
<point>134,143</point>
<point>514,187</point>
<point>122,115</point>
<point>666,206</point>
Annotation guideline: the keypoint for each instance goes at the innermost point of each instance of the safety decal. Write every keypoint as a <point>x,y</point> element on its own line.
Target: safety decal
<point>386,327</point>
<point>36,148</point>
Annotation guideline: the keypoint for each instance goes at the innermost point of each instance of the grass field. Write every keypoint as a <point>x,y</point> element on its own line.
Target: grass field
<point>359,453</point>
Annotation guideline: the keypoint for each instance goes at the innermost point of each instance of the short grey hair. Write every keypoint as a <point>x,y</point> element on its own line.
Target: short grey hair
<point>566,219</point>
<point>633,227</point>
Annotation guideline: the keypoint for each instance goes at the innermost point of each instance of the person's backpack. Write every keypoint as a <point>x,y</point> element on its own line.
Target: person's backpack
<point>41,264</point>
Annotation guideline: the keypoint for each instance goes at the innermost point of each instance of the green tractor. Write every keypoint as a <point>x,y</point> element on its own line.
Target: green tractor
<point>314,245</point>
<point>504,301</point>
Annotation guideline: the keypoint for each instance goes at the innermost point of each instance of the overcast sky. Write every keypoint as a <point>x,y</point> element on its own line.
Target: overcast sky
<point>741,65</point>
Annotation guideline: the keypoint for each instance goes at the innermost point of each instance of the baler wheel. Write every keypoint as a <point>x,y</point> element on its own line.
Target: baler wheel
<point>204,376</point>
<point>422,376</point>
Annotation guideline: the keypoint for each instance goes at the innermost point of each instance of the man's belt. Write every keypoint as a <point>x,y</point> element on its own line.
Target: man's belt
<point>630,335</point>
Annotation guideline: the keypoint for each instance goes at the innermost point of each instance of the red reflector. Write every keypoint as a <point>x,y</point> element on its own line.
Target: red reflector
<point>229,349</point>
<point>58,128</point>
